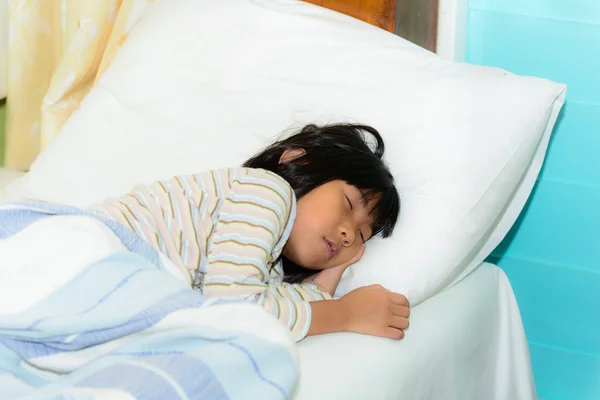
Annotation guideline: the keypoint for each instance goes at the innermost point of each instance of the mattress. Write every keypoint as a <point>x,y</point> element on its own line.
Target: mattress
<point>466,343</point>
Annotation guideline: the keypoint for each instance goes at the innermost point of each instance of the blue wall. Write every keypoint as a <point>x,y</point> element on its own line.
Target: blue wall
<point>552,255</point>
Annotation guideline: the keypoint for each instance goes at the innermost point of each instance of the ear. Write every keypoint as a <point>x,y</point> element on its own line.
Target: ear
<point>291,155</point>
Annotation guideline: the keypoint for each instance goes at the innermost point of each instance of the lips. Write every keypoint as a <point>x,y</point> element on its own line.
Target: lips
<point>332,248</point>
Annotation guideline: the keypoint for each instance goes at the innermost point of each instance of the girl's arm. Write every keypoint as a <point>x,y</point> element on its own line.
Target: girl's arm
<point>371,310</point>
<point>250,231</point>
<point>249,234</point>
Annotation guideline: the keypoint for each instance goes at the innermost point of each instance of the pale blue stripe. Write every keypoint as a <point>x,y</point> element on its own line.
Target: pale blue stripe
<point>88,288</point>
<point>271,366</point>
<point>257,369</point>
<point>245,239</point>
<point>132,379</point>
<point>267,224</point>
<point>140,322</point>
<point>279,209</point>
<point>102,300</point>
<point>15,217</point>
<point>275,182</point>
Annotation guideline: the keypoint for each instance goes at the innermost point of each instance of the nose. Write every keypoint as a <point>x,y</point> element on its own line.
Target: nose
<point>348,235</point>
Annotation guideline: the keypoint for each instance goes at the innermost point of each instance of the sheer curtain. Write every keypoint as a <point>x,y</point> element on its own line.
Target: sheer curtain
<point>57,49</point>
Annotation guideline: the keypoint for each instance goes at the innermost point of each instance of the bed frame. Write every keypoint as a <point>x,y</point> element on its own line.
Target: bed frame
<point>414,20</point>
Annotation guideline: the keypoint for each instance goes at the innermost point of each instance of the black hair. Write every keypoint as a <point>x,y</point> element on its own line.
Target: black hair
<point>334,152</point>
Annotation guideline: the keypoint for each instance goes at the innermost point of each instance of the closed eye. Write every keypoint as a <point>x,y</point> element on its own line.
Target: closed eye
<point>361,236</point>
<point>349,202</point>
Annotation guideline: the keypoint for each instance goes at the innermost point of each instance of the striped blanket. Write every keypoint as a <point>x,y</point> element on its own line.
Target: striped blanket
<point>87,311</point>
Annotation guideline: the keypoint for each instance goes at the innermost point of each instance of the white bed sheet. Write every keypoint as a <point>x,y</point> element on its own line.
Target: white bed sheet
<point>465,343</point>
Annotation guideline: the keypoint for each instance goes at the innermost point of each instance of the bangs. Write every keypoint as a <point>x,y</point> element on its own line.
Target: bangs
<point>339,151</point>
<point>385,210</point>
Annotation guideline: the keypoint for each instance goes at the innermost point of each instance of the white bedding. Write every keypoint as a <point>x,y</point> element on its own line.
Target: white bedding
<point>136,329</point>
<point>465,343</point>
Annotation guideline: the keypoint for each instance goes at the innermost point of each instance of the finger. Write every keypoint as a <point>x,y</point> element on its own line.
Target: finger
<point>393,333</point>
<point>399,322</point>
<point>399,311</point>
<point>357,256</point>
<point>361,251</point>
<point>399,299</point>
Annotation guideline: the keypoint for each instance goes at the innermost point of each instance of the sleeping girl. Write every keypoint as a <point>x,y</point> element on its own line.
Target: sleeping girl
<point>280,231</point>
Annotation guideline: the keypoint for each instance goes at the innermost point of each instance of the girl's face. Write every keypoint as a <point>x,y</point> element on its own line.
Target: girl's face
<point>332,223</point>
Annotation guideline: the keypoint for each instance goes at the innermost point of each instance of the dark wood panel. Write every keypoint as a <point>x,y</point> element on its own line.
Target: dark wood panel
<point>417,22</point>
<point>381,13</point>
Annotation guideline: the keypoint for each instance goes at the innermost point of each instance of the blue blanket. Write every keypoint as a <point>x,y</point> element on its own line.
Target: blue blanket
<point>123,327</point>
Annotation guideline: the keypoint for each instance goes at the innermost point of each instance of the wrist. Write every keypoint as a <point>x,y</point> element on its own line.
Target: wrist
<point>328,280</point>
<point>345,314</point>
<point>329,316</point>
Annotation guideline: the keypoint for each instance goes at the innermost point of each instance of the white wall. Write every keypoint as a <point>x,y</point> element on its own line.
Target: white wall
<point>452,29</point>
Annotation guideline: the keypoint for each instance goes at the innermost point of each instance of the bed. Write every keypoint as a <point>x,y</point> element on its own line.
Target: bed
<point>466,342</point>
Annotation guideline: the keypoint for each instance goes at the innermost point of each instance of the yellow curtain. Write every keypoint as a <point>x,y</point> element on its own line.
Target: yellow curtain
<point>57,51</point>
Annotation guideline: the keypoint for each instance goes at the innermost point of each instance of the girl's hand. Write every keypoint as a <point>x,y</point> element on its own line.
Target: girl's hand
<point>329,278</point>
<point>374,310</point>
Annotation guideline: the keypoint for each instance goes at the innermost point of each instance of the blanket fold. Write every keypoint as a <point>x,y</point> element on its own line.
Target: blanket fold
<point>87,311</point>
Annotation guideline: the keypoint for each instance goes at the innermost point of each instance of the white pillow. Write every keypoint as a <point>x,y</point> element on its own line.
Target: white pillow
<point>201,84</point>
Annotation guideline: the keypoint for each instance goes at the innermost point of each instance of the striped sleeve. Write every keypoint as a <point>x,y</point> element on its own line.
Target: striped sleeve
<point>252,227</point>
<point>308,291</point>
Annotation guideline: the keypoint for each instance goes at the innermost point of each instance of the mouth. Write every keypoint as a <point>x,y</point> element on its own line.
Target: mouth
<point>331,248</point>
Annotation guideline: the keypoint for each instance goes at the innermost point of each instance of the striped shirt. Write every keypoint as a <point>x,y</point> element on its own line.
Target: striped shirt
<point>225,230</point>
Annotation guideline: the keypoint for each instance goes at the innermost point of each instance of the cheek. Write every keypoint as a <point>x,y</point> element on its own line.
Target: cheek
<point>304,215</point>
<point>313,224</point>
<point>355,248</point>
<point>345,255</point>
<point>302,247</point>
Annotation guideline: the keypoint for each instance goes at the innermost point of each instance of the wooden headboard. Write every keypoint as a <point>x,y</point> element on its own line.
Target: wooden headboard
<point>381,13</point>
<point>415,20</point>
